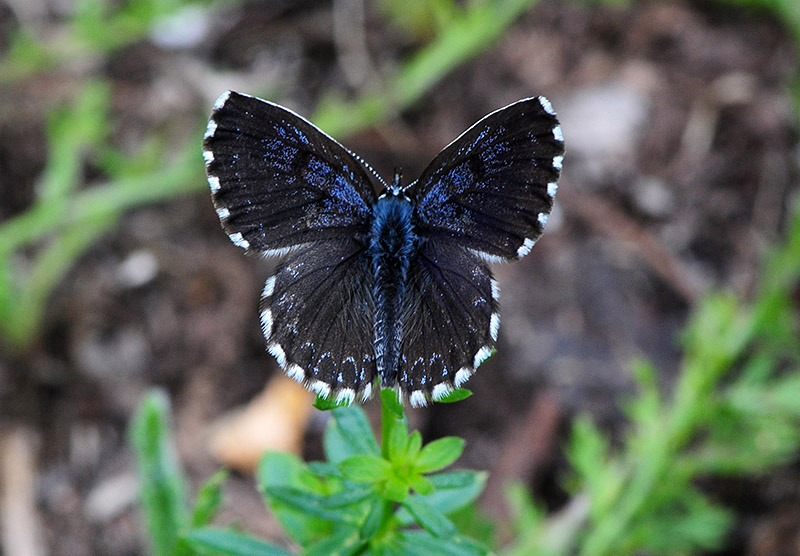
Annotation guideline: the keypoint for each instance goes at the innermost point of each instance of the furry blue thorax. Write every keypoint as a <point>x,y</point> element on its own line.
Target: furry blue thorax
<point>392,244</point>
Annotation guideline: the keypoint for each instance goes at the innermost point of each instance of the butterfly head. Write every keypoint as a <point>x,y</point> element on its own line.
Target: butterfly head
<point>396,189</point>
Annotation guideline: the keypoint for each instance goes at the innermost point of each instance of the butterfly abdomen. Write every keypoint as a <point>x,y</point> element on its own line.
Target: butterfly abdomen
<point>391,247</point>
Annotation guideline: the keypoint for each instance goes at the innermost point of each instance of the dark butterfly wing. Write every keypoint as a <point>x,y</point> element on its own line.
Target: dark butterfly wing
<point>451,320</point>
<point>277,181</point>
<point>492,189</point>
<point>316,314</point>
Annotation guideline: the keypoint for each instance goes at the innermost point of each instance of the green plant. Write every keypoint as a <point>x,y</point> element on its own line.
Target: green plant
<point>95,27</point>
<point>734,411</point>
<point>39,246</point>
<point>163,484</point>
<point>365,497</point>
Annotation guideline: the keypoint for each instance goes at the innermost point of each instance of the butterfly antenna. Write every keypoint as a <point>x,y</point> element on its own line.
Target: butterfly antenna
<point>398,178</point>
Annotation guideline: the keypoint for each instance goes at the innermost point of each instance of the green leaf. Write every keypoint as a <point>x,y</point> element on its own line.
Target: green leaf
<point>398,441</point>
<point>395,489</point>
<point>455,396</point>
<point>439,454</point>
<point>429,518</point>
<point>343,543</point>
<point>278,470</point>
<point>414,446</point>
<point>353,494</point>
<point>312,505</point>
<point>378,514</point>
<point>452,492</point>
<point>163,484</point>
<point>421,484</point>
<point>324,469</point>
<point>365,469</point>
<point>421,543</point>
<point>349,433</point>
<point>209,499</point>
<point>391,402</point>
<point>285,469</point>
<point>329,403</point>
<point>229,543</point>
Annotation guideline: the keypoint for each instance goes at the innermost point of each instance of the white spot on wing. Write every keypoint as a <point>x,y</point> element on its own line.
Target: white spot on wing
<point>417,398</point>
<point>346,395</point>
<point>277,352</point>
<point>208,156</point>
<point>266,323</point>
<point>557,133</point>
<point>483,354</point>
<point>489,258</point>
<point>367,393</point>
<point>547,106</point>
<point>280,252</point>
<point>462,376</point>
<point>223,213</point>
<point>557,161</point>
<point>494,326</point>
<point>320,388</point>
<point>552,187</point>
<point>296,372</point>
<point>526,247</point>
<point>239,241</point>
<point>211,128</point>
<point>213,182</point>
<point>221,100</point>
<point>269,287</point>
<point>441,390</point>
<point>542,219</point>
<point>495,290</point>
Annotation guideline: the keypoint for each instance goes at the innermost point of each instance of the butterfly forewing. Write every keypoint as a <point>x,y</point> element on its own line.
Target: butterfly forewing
<point>451,320</point>
<point>316,313</point>
<point>492,189</point>
<point>277,181</point>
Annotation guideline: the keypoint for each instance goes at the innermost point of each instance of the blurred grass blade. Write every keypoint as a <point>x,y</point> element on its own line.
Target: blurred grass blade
<point>465,36</point>
<point>71,133</point>
<point>25,299</point>
<point>163,486</point>
<point>209,499</point>
<point>183,175</point>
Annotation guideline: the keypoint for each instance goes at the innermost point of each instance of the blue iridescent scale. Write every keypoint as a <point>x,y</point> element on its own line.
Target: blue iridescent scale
<point>392,245</point>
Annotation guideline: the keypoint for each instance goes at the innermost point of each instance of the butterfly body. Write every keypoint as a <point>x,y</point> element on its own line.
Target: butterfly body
<point>392,285</point>
<point>392,247</point>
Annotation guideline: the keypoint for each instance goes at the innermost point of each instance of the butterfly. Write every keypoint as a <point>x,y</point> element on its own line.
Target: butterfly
<point>392,285</point>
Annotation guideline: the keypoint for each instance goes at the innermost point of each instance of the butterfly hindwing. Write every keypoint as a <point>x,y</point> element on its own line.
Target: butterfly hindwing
<point>491,190</point>
<point>451,320</point>
<point>277,181</point>
<point>316,313</point>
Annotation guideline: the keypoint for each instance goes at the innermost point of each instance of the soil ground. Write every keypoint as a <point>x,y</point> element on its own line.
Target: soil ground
<point>681,158</point>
